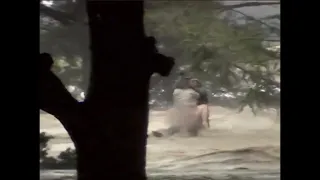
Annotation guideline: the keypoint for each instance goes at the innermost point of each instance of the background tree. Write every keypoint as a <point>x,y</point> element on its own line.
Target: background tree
<point>218,42</point>
<point>209,38</point>
<point>44,139</point>
<point>65,160</point>
<point>64,33</point>
<point>216,49</point>
<point>109,129</point>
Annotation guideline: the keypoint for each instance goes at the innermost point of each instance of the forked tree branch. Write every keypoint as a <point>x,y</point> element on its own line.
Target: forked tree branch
<point>54,97</point>
<point>249,4</point>
<point>272,28</point>
<point>275,16</point>
<point>254,74</point>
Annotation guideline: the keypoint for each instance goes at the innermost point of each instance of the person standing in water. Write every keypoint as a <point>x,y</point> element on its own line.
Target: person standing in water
<point>182,117</point>
<point>190,108</point>
<point>202,102</point>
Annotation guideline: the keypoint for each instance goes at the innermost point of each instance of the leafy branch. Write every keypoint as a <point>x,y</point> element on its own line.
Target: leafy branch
<point>272,28</point>
<point>65,18</point>
<point>60,16</point>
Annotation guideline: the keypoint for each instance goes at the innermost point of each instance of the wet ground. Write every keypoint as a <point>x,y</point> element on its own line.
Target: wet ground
<point>238,146</point>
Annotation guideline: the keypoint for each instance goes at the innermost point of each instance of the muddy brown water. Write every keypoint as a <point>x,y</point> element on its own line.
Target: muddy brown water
<point>238,146</point>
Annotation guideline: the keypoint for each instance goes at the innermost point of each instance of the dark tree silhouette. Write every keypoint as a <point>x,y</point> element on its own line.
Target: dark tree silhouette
<point>109,129</point>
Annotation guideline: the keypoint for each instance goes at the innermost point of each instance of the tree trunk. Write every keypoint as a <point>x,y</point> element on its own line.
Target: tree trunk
<point>109,129</point>
<point>117,111</point>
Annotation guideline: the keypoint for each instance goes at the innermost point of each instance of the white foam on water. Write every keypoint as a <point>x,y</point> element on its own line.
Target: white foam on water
<point>230,131</point>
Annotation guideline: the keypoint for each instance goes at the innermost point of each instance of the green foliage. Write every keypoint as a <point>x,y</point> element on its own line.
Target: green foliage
<point>44,139</point>
<point>69,52</point>
<point>218,49</point>
<point>221,46</point>
<point>65,160</point>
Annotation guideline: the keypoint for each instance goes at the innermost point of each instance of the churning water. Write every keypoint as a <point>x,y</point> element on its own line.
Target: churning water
<point>238,146</point>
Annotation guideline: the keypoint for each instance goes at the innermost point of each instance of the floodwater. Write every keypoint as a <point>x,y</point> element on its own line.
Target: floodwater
<point>238,146</point>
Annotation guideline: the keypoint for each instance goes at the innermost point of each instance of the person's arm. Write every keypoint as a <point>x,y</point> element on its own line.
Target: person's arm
<point>204,100</point>
<point>205,97</point>
<point>174,87</point>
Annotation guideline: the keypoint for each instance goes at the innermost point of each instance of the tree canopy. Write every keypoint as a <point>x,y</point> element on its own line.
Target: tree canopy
<point>216,42</point>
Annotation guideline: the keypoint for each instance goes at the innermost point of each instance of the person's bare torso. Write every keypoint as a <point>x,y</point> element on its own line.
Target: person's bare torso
<point>183,114</point>
<point>185,97</point>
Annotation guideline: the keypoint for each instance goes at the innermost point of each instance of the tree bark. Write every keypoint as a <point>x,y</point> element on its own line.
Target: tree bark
<point>109,129</point>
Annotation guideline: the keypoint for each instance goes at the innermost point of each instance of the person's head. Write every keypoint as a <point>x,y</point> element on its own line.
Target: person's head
<point>183,83</point>
<point>195,83</point>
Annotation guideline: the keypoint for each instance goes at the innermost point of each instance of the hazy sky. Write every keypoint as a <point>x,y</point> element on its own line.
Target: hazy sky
<point>260,12</point>
<point>257,11</point>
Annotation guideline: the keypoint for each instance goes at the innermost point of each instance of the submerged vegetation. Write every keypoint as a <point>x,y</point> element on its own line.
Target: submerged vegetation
<point>65,160</point>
